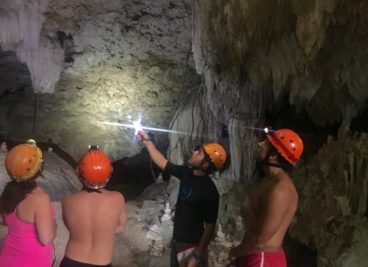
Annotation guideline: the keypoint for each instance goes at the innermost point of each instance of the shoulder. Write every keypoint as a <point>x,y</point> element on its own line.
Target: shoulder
<point>115,196</point>
<point>39,200</point>
<point>70,198</point>
<point>40,196</point>
<point>116,200</point>
<point>118,196</point>
<point>283,189</point>
<point>171,166</point>
<point>211,188</point>
<point>211,183</point>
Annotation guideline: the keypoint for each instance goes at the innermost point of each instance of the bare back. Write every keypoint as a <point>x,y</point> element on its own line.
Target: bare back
<point>92,220</point>
<point>36,208</point>
<point>274,206</point>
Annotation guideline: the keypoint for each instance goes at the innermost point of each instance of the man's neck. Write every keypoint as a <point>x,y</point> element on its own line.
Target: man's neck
<point>197,172</point>
<point>273,171</point>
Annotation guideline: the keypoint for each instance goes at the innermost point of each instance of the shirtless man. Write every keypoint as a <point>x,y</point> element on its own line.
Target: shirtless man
<point>92,215</point>
<point>273,204</point>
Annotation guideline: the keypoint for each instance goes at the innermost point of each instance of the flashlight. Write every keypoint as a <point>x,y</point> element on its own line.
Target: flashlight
<point>137,126</point>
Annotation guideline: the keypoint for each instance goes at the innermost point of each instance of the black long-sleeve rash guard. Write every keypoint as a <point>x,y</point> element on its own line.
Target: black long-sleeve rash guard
<point>197,204</point>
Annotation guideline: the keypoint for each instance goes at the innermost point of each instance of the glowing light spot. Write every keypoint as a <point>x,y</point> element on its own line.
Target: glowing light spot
<point>137,126</point>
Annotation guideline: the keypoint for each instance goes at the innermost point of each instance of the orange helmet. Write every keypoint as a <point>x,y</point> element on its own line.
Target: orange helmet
<point>23,161</point>
<point>287,143</point>
<point>216,153</point>
<point>94,169</point>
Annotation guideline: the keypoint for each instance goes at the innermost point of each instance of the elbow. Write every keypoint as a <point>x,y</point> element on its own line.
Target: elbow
<point>120,229</point>
<point>160,165</point>
<point>45,241</point>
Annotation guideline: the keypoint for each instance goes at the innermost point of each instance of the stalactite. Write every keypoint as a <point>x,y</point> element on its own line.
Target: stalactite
<point>20,31</point>
<point>45,64</point>
<point>10,28</point>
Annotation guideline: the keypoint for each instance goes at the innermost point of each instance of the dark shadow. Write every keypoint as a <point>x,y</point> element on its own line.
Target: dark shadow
<point>359,123</point>
<point>131,175</point>
<point>298,254</point>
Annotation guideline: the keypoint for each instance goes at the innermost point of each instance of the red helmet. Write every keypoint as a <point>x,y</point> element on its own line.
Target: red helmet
<point>287,143</point>
<point>216,153</point>
<point>94,169</point>
<point>24,161</point>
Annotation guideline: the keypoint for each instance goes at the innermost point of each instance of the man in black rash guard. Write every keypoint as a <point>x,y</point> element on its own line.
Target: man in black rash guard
<point>198,200</point>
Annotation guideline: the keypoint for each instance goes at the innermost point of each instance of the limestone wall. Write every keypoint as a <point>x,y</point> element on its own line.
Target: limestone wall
<point>120,60</point>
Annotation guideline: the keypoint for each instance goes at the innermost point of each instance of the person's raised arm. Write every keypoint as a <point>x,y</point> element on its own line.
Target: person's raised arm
<point>154,153</point>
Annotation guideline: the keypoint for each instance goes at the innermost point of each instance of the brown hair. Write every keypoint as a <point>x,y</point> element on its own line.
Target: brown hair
<point>14,193</point>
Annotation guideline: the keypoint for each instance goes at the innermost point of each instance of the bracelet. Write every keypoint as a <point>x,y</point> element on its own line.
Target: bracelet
<point>199,258</point>
<point>146,139</point>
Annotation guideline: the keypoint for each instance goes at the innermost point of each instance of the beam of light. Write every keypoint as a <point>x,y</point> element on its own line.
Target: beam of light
<point>135,126</point>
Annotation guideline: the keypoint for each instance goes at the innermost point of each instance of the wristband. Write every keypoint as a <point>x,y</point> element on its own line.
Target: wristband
<point>146,139</point>
<point>199,258</point>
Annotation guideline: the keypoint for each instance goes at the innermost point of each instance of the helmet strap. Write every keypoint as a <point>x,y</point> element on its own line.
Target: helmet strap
<point>259,171</point>
<point>211,166</point>
<point>277,165</point>
<point>200,167</point>
<point>282,165</point>
<point>88,186</point>
<point>281,161</point>
<point>90,190</point>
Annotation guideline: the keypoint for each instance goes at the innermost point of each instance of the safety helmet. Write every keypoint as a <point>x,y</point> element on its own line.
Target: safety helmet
<point>94,169</point>
<point>24,161</point>
<point>216,153</point>
<point>287,143</point>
